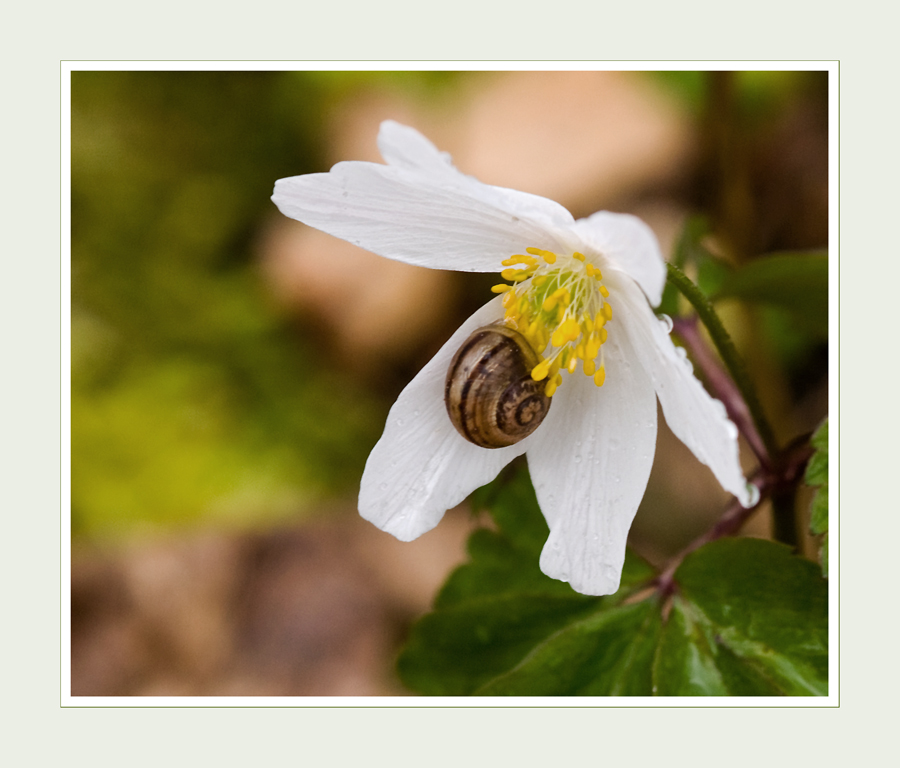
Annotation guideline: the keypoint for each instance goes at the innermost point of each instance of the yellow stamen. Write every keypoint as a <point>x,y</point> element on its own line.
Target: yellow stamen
<point>579,256</point>
<point>541,370</point>
<point>502,288</point>
<point>604,291</point>
<point>551,388</point>
<point>589,367</point>
<point>607,311</point>
<point>600,376</point>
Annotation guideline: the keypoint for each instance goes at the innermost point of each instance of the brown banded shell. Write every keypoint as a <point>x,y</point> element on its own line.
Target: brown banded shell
<point>490,395</point>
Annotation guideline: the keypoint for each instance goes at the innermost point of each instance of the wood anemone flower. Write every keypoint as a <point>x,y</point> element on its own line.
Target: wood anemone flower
<point>580,293</point>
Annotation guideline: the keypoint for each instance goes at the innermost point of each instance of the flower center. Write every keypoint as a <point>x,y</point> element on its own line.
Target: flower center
<point>560,305</point>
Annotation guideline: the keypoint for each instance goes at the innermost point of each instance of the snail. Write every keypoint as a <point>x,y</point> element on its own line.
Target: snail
<point>489,393</point>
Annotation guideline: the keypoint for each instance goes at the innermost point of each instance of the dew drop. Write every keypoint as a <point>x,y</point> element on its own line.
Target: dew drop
<point>753,491</point>
<point>666,323</point>
<point>399,422</point>
<point>415,413</point>
<point>732,431</point>
<point>383,486</point>
<point>578,458</point>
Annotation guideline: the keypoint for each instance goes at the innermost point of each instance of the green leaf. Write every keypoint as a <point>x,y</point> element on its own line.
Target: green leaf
<point>749,619</point>
<point>817,476</point>
<point>796,282</point>
<point>455,650</point>
<point>609,653</point>
<point>499,606</point>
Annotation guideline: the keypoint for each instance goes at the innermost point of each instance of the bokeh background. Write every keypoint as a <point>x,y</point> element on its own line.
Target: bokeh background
<point>231,368</point>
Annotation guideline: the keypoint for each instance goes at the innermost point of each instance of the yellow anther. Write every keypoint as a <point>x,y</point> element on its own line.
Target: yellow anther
<point>573,364</point>
<point>539,280</point>
<point>589,269</point>
<point>509,299</point>
<point>547,256</point>
<point>551,388</point>
<point>507,274</point>
<point>519,258</point>
<point>579,256</point>
<point>541,370</point>
<point>593,348</point>
<point>589,367</point>
<point>502,288</point>
<point>571,329</point>
<point>600,376</point>
<point>599,320</point>
<point>588,324</point>
<point>604,334</point>
<point>558,379</point>
<point>604,291</point>
<point>606,309</point>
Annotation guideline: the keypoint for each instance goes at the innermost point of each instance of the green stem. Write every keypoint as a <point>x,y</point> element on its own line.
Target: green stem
<point>726,349</point>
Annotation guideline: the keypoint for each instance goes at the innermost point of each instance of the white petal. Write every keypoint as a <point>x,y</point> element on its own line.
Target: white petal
<point>405,147</point>
<point>404,215</point>
<point>590,469</point>
<point>632,247</point>
<point>697,419</point>
<point>421,466</point>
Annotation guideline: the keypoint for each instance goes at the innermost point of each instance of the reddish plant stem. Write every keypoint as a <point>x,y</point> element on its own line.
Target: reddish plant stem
<point>722,386</point>
<point>768,481</point>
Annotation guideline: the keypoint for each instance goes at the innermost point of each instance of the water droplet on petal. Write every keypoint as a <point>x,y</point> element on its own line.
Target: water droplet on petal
<point>383,486</point>
<point>578,458</point>
<point>754,495</point>
<point>399,422</point>
<point>666,323</point>
<point>415,413</point>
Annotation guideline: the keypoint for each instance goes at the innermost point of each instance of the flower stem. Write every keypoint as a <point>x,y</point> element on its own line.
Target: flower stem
<point>777,483</point>
<point>726,349</point>
<point>722,385</point>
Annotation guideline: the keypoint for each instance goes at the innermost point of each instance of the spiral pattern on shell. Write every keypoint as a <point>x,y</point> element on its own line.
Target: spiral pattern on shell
<point>490,395</point>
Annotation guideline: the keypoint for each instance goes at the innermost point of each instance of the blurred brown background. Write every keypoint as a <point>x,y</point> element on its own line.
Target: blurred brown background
<point>232,368</point>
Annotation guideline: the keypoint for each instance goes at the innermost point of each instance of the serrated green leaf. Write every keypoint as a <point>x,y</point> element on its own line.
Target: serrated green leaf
<point>456,650</point>
<point>817,475</point>
<point>749,619</point>
<point>796,282</point>
<point>609,653</point>
<point>818,513</point>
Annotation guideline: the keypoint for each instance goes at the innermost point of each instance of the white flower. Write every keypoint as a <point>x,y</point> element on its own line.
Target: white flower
<point>590,458</point>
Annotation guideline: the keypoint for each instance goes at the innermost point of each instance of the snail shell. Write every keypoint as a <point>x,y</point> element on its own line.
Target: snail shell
<point>490,395</point>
